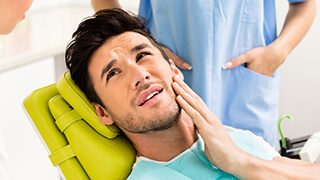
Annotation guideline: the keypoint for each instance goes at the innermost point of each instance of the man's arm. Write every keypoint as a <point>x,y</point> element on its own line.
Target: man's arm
<point>104,4</point>
<point>265,60</point>
<point>278,168</point>
<point>224,154</point>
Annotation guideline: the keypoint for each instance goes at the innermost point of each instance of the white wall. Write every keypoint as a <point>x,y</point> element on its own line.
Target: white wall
<point>41,4</point>
<point>300,81</point>
<point>28,159</point>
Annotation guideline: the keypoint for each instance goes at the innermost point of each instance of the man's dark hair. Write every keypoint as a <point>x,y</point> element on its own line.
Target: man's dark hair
<point>91,34</point>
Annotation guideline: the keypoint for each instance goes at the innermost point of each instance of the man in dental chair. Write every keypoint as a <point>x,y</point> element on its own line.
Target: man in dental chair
<point>131,83</point>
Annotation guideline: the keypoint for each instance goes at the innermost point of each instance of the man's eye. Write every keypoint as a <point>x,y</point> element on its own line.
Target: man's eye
<point>112,73</point>
<point>141,55</point>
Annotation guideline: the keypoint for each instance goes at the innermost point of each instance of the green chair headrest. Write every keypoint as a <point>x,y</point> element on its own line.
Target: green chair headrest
<point>78,100</point>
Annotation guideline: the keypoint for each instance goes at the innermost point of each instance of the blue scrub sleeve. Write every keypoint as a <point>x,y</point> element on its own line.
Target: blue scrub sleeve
<point>295,1</point>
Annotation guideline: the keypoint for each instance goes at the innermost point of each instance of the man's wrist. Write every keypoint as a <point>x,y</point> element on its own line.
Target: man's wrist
<point>248,167</point>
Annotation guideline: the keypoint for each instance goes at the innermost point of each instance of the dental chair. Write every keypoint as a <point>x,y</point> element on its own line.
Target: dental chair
<point>80,146</point>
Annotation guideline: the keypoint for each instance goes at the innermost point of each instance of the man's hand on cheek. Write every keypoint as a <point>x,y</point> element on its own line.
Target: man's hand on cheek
<point>220,149</point>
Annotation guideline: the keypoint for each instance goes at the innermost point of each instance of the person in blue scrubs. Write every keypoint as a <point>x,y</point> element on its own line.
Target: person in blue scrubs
<point>234,52</point>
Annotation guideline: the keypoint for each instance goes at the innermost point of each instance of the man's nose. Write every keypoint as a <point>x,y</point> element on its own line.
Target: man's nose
<point>140,76</point>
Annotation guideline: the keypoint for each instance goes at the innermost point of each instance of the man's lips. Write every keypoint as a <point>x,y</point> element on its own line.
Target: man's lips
<point>149,94</point>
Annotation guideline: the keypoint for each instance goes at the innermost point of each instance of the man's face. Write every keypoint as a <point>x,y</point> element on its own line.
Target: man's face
<point>133,81</point>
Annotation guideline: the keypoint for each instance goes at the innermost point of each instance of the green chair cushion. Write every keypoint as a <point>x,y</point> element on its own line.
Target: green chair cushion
<point>78,144</point>
<point>77,99</point>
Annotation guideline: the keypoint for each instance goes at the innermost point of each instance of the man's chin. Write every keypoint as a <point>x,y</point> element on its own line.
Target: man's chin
<point>160,120</point>
<point>167,121</point>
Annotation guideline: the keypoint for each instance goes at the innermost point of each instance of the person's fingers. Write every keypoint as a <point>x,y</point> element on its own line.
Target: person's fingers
<point>195,102</point>
<point>184,86</point>
<point>192,99</point>
<point>199,121</point>
<point>235,62</point>
<point>188,90</point>
<point>176,59</point>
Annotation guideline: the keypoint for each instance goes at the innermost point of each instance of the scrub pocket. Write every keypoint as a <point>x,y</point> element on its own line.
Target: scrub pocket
<point>253,102</point>
<point>253,11</point>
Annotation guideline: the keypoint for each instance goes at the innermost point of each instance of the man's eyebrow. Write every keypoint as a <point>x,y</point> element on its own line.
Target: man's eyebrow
<point>139,47</point>
<point>107,67</point>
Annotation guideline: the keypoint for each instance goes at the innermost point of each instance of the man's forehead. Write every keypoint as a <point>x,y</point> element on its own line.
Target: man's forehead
<point>127,40</point>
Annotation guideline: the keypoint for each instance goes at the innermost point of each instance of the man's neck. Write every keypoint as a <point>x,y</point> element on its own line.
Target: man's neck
<point>165,145</point>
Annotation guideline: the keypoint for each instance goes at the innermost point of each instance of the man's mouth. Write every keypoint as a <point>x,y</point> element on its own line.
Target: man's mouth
<point>149,94</point>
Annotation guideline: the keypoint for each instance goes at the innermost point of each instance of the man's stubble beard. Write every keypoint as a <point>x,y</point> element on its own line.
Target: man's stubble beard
<point>159,122</point>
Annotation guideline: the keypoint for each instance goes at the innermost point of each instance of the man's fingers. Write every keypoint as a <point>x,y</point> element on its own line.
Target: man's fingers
<point>193,100</point>
<point>185,87</point>
<point>187,93</point>
<point>186,96</point>
<point>180,63</point>
<point>194,114</point>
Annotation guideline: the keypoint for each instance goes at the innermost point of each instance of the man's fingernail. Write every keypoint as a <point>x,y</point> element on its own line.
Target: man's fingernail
<point>186,65</point>
<point>226,65</point>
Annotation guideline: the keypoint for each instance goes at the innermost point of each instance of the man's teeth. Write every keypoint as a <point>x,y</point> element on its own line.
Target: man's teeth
<point>151,95</point>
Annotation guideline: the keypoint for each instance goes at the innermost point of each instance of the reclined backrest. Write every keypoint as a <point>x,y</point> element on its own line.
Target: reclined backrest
<point>78,143</point>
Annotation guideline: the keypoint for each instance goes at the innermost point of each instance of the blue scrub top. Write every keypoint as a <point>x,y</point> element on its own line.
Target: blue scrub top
<point>207,34</point>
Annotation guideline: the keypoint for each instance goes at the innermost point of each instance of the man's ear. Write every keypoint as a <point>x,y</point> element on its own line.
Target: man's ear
<point>103,115</point>
<point>175,70</point>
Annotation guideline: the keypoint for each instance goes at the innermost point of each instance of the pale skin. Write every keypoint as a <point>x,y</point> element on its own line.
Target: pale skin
<point>131,70</point>
<point>11,13</point>
<point>263,60</point>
